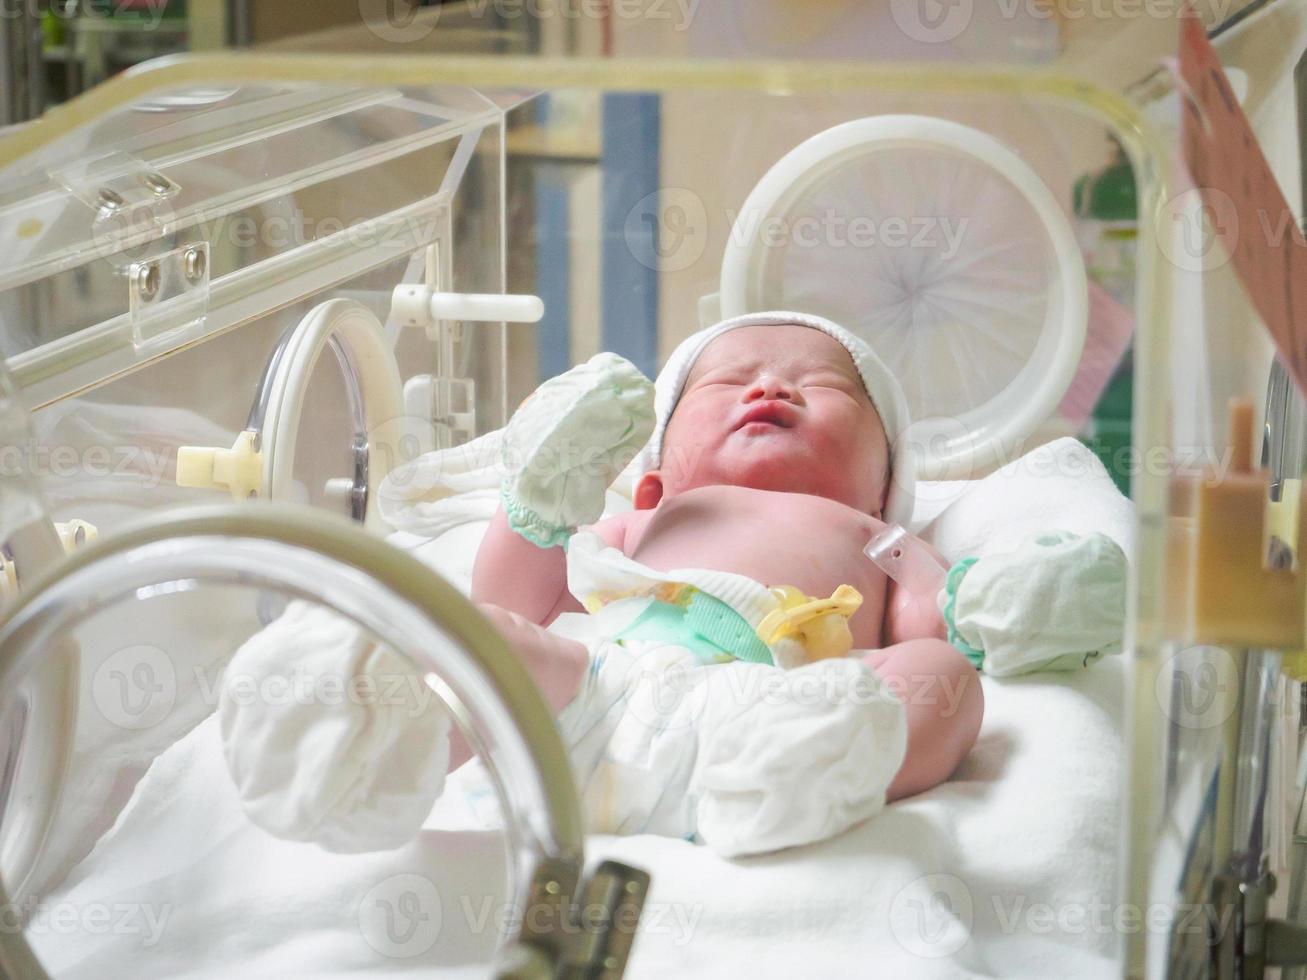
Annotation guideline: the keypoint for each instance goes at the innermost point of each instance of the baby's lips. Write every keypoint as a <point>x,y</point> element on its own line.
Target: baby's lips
<point>778,413</point>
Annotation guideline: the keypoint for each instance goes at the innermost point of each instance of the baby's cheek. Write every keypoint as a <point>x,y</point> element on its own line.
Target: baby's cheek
<point>685,453</point>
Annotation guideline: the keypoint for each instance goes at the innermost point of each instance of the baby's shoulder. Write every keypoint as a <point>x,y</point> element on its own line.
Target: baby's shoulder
<point>620,529</point>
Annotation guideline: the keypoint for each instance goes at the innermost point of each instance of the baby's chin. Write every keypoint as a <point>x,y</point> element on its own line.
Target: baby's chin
<point>780,477</point>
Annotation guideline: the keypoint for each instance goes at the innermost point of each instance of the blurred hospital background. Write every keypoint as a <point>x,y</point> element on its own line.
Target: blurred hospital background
<point>627,201</point>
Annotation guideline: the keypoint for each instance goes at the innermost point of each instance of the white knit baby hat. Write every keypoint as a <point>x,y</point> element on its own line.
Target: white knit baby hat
<point>883,388</point>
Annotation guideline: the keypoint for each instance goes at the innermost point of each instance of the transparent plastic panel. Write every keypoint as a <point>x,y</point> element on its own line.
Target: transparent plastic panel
<point>134,354</point>
<point>613,189</point>
<point>233,646</point>
<point>21,504</point>
<point>290,188</point>
<point>205,164</point>
<point>112,452</point>
<point>659,240</point>
<point>1214,716</point>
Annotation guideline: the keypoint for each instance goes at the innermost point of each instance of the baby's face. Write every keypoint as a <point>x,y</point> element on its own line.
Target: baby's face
<point>777,408</point>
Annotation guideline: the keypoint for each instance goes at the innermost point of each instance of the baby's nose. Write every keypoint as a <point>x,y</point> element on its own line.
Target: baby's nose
<point>770,387</point>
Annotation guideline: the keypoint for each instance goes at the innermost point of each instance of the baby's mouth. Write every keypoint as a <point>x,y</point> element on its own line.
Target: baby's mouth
<point>777,413</point>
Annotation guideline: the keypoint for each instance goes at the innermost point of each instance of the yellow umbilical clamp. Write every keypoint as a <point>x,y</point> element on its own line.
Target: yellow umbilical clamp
<point>820,626</point>
<point>238,469</point>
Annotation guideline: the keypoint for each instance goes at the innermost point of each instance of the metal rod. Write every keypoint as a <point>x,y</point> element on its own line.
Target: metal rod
<point>21,68</point>
<point>1300,84</point>
<point>1238,17</point>
<point>240,24</point>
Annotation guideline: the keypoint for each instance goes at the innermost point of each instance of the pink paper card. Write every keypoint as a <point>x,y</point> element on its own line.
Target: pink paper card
<point>1107,337</point>
<point>1247,209</point>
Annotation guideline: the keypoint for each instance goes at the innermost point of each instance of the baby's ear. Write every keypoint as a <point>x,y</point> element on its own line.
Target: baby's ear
<point>648,491</point>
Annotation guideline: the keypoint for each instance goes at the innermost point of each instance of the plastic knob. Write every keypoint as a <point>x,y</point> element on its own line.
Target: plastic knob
<point>238,469</point>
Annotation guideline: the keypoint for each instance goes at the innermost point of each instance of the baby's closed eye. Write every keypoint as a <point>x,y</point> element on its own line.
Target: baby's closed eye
<point>835,381</point>
<point>732,374</point>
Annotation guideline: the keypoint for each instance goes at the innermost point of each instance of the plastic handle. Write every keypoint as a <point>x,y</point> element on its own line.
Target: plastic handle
<point>416,305</point>
<point>487,307</point>
<point>906,560</point>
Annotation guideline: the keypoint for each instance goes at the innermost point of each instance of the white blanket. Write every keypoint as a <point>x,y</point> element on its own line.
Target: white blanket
<point>1007,870</point>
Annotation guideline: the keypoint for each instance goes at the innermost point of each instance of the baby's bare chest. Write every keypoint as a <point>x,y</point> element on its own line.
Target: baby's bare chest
<point>773,538</point>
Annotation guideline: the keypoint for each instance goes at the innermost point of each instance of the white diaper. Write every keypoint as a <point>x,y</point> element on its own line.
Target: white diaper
<point>599,575</point>
<point>743,757</point>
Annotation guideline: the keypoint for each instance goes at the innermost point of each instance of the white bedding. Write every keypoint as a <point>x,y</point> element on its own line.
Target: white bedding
<point>1021,844</point>
<point>1006,870</point>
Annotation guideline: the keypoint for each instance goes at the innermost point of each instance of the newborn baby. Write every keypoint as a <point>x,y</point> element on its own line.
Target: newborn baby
<point>654,635</point>
<point>775,467</point>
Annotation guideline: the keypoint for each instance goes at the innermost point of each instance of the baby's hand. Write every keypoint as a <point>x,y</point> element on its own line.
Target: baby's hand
<point>566,444</point>
<point>910,616</point>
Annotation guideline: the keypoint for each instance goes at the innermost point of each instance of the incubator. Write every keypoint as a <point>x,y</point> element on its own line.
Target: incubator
<point>185,244</point>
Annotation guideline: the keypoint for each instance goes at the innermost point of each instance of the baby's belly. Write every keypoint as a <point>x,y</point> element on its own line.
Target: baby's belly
<point>808,542</point>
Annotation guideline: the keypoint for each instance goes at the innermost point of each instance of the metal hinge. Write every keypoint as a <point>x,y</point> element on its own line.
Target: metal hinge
<point>168,294</point>
<point>1244,941</point>
<point>573,933</point>
<point>1237,926</point>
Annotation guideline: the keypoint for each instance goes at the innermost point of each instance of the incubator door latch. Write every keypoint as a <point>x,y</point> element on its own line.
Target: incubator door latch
<point>577,933</point>
<point>1230,588</point>
<point>447,400</point>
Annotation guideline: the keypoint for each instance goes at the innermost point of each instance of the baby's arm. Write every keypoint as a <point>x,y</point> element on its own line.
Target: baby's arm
<point>938,686</point>
<point>514,574</point>
<point>915,615</point>
<point>562,449</point>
